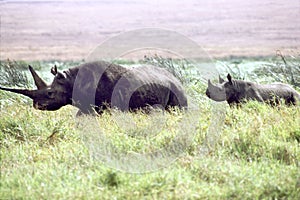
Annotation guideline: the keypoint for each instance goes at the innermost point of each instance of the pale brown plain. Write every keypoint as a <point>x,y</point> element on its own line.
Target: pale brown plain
<point>71,30</point>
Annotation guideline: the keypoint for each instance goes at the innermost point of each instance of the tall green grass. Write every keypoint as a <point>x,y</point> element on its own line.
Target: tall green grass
<point>44,156</point>
<point>251,153</point>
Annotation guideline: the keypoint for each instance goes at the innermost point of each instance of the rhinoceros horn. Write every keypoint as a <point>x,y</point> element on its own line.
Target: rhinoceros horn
<point>221,80</point>
<point>29,93</point>
<point>210,84</point>
<point>39,82</point>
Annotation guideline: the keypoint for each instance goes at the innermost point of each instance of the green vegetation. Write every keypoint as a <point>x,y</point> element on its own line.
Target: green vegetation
<point>11,73</point>
<point>44,155</point>
<point>285,69</point>
<point>281,68</point>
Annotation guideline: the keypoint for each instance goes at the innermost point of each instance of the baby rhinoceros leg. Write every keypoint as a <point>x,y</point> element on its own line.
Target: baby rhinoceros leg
<point>292,100</point>
<point>254,94</point>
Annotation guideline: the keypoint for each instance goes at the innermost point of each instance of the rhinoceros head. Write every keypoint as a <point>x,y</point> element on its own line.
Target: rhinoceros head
<point>48,97</point>
<point>221,91</point>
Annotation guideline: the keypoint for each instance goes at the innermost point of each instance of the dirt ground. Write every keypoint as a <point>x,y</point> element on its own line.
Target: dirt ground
<point>65,30</point>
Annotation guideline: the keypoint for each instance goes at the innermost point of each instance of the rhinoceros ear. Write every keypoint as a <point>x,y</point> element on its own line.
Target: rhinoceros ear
<point>60,75</point>
<point>221,80</point>
<point>229,78</point>
<point>54,70</point>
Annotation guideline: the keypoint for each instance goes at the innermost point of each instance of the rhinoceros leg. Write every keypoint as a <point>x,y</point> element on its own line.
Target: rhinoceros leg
<point>292,100</point>
<point>179,101</point>
<point>91,112</point>
<point>256,96</point>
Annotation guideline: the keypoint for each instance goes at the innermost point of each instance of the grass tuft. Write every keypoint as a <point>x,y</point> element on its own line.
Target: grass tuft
<point>12,73</point>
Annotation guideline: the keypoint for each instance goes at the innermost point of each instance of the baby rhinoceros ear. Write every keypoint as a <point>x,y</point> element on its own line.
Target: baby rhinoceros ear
<point>229,78</point>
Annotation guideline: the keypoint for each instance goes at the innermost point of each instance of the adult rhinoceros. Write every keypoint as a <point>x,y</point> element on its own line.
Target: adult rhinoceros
<point>100,85</point>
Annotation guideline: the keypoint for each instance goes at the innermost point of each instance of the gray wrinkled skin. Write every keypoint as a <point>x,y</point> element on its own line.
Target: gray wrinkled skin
<point>237,91</point>
<point>97,85</point>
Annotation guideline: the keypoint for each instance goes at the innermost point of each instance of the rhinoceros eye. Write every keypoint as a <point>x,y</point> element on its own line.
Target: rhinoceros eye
<point>50,94</point>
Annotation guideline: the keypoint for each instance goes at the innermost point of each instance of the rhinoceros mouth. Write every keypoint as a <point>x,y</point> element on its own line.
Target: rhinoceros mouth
<point>39,106</point>
<point>207,93</point>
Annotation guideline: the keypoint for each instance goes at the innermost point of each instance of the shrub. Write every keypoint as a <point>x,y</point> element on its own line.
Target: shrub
<point>12,74</point>
<point>284,69</point>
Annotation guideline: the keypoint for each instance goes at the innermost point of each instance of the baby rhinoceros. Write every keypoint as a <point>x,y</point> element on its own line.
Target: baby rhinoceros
<point>237,91</point>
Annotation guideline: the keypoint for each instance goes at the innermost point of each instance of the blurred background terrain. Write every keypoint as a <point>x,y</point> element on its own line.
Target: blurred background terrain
<point>70,30</point>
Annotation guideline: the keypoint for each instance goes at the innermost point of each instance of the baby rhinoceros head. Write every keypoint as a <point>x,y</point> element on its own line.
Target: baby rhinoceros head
<point>222,91</point>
